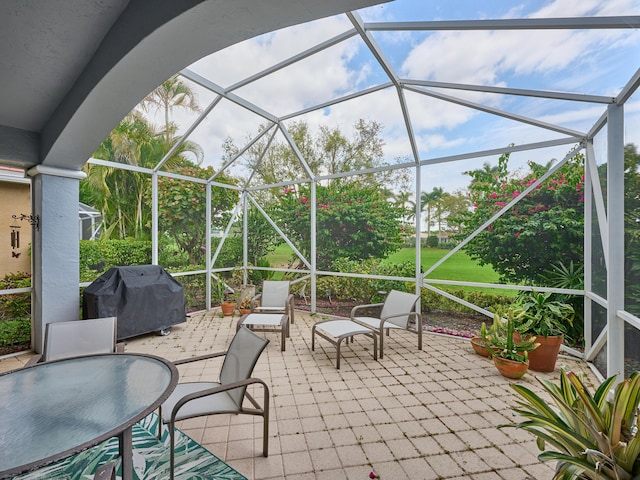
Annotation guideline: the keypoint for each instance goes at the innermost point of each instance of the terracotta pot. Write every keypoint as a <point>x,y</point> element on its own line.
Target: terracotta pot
<point>228,308</point>
<point>510,368</point>
<point>244,311</point>
<point>478,346</point>
<point>543,358</point>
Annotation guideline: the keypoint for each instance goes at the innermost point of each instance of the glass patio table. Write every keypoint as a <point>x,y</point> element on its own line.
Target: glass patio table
<point>51,411</point>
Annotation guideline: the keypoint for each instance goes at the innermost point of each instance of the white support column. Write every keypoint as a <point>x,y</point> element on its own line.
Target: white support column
<point>154,218</point>
<point>314,257</point>
<point>207,234</point>
<point>615,234</point>
<point>418,214</point>
<point>245,237</point>
<point>55,249</point>
<point>588,187</point>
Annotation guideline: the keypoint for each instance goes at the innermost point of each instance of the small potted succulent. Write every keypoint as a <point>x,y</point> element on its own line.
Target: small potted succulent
<point>509,355</point>
<point>244,305</point>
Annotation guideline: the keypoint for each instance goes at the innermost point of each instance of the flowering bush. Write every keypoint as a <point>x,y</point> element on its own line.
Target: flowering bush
<point>353,222</point>
<point>543,228</point>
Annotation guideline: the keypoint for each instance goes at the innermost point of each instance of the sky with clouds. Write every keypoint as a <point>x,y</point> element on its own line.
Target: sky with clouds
<point>597,62</point>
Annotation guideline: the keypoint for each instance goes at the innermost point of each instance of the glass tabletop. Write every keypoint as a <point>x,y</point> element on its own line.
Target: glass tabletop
<point>54,409</point>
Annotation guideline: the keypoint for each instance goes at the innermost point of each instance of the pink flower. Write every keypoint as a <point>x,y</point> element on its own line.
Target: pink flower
<point>515,194</point>
<point>373,475</point>
<point>304,199</point>
<point>500,204</point>
<point>517,234</point>
<point>490,228</point>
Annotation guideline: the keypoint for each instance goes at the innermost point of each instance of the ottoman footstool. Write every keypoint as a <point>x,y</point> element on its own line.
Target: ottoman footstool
<point>335,331</point>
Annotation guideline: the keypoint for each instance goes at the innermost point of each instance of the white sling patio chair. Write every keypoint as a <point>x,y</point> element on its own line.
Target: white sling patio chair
<point>78,337</point>
<point>275,298</point>
<point>397,310</point>
<point>196,399</point>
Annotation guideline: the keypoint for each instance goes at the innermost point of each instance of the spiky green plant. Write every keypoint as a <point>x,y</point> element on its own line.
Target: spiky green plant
<point>591,436</point>
<point>499,337</point>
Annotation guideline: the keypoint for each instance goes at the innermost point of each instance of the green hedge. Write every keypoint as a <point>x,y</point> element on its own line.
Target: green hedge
<point>98,256</point>
<point>431,301</point>
<point>17,305</point>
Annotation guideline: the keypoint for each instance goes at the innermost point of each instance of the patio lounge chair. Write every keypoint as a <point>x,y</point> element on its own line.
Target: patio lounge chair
<point>397,310</point>
<point>275,298</point>
<point>78,337</point>
<point>195,399</point>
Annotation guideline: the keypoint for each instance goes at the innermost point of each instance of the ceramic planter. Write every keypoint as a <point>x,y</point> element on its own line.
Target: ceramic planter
<point>543,358</point>
<point>478,346</point>
<point>510,368</point>
<point>228,308</point>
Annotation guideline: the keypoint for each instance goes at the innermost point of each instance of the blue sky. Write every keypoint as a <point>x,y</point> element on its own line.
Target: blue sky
<point>598,62</point>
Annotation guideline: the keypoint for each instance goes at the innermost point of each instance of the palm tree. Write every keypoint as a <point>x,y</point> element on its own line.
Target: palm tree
<point>427,201</point>
<point>171,94</point>
<point>120,194</point>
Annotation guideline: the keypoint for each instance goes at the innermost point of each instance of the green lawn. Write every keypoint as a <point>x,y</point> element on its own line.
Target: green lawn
<point>459,267</point>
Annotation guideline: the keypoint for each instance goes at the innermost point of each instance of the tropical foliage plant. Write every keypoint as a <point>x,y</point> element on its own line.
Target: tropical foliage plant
<point>539,314</point>
<point>570,276</point>
<point>590,436</point>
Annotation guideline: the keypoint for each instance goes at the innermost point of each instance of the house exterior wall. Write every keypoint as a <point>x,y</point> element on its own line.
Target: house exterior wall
<point>15,199</point>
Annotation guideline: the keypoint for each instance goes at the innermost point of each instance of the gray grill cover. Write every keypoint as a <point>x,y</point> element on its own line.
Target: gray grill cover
<point>144,298</point>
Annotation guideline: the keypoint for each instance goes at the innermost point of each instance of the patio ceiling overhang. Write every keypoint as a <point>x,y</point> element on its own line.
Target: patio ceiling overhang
<point>72,70</point>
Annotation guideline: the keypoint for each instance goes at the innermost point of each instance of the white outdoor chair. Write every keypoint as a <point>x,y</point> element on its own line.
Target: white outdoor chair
<point>275,298</point>
<point>77,338</point>
<point>196,399</point>
<point>397,310</point>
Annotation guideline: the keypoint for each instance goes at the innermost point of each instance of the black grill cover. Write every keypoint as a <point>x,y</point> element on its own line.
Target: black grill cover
<point>144,298</point>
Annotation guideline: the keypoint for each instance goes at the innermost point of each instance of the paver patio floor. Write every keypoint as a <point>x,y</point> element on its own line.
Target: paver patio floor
<point>427,414</point>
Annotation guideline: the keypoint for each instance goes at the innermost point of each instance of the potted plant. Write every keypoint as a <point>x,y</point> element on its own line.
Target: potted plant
<point>590,436</point>
<point>510,356</point>
<point>244,306</point>
<point>220,295</point>
<point>478,343</point>
<point>546,319</point>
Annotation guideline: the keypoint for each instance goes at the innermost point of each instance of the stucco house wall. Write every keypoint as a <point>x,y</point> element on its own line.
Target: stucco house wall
<point>15,199</point>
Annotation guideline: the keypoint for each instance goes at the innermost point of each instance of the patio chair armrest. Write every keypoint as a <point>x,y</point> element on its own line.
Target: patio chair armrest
<point>407,314</point>
<point>33,360</point>
<point>201,357</point>
<point>120,347</point>
<point>359,307</point>
<point>214,390</point>
<point>254,300</point>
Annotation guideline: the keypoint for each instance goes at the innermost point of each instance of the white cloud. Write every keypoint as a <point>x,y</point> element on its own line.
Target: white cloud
<point>551,59</point>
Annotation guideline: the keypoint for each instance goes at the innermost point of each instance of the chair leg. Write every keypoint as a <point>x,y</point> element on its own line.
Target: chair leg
<point>172,463</point>
<point>381,335</point>
<point>265,429</point>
